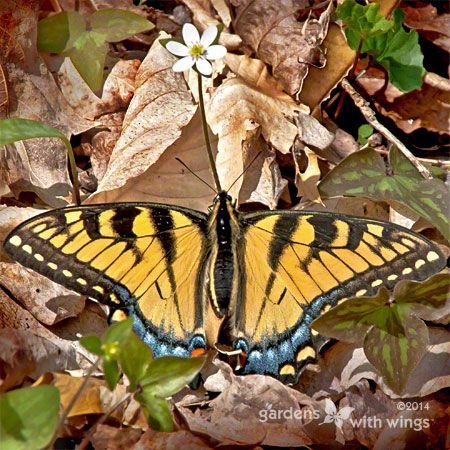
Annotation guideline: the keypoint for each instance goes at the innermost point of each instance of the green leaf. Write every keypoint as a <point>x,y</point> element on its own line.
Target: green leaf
<point>169,374</point>
<point>119,332</point>
<point>112,372</point>
<point>13,130</point>
<point>58,33</point>
<point>429,299</point>
<point>117,24</point>
<point>394,337</point>
<point>396,350</point>
<point>28,417</point>
<point>362,22</point>
<point>350,320</point>
<point>93,344</point>
<point>397,50</point>
<point>156,410</point>
<point>88,55</point>
<point>363,174</point>
<point>364,133</point>
<point>135,360</point>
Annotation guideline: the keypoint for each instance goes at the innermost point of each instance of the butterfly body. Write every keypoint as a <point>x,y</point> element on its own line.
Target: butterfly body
<point>261,278</point>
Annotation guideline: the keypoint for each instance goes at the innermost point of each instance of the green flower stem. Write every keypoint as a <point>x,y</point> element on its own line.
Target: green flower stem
<point>206,135</point>
<point>75,398</point>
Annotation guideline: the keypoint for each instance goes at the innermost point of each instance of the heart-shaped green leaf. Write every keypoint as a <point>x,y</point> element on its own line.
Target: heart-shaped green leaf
<point>28,417</point>
<point>169,374</point>
<point>363,174</point>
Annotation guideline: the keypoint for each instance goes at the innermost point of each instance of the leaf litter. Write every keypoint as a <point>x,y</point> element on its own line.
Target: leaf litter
<point>282,56</point>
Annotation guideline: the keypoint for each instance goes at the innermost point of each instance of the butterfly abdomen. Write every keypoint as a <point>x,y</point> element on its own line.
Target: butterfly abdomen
<point>223,262</point>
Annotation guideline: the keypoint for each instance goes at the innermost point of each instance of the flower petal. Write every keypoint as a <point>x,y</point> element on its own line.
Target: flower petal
<point>204,67</point>
<point>208,36</point>
<point>216,52</point>
<point>176,48</point>
<point>183,64</point>
<point>190,34</point>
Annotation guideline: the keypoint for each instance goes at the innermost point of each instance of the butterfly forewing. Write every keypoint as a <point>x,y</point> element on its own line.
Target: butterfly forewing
<point>298,264</point>
<point>144,258</point>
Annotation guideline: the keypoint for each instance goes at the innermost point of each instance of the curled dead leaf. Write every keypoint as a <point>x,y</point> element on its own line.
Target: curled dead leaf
<point>271,30</point>
<point>306,180</point>
<point>27,349</point>
<point>236,108</point>
<point>47,301</point>
<point>204,16</point>
<point>166,181</point>
<point>162,105</point>
<point>256,409</point>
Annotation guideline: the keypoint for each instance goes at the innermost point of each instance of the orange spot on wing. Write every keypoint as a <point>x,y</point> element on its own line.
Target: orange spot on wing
<point>198,351</point>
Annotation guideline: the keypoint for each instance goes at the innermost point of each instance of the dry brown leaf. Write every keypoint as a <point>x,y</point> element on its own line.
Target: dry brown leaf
<point>118,89</point>
<point>311,132</point>
<point>27,349</point>
<point>306,180</point>
<point>166,181</point>
<point>272,32</point>
<point>47,301</point>
<point>223,10</point>
<point>262,182</point>
<point>204,16</point>
<point>88,403</point>
<point>91,321</point>
<point>431,25</point>
<point>182,439</point>
<point>106,437</point>
<point>428,107</point>
<point>237,108</point>
<point>255,73</point>
<point>101,142</point>
<point>162,105</point>
<point>243,413</point>
<point>392,421</point>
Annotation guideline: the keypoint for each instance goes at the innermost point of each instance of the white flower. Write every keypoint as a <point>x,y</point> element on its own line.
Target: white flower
<point>196,50</point>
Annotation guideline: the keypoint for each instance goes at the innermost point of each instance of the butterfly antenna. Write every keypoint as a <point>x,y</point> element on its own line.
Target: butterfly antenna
<point>245,170</point>
<point>195,175</point>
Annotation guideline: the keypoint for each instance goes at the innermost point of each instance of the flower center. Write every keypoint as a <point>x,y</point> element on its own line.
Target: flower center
<point>196,50</point>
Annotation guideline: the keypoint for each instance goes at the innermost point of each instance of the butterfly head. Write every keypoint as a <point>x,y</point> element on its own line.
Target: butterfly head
<point>221,200</point>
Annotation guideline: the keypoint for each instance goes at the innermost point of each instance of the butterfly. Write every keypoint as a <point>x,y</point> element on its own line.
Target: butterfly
<point>253,281</point>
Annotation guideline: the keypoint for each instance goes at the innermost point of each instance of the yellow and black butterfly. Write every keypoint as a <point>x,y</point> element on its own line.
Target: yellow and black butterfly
<point>263,276</point>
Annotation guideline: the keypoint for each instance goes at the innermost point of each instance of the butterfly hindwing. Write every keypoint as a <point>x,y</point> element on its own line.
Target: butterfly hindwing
<point>298,264</point>
<point>147,259</point>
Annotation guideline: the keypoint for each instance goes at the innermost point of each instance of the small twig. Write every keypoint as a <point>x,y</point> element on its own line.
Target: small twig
<point>84,443</point>
<point>72,402</point>
<point>370,116</point>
